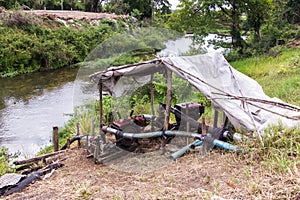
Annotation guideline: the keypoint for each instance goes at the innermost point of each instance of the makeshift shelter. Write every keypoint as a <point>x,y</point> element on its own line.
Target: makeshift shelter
<point>241,98</point>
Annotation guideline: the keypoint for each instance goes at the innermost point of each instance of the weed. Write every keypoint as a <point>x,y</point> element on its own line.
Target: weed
<point>84,192</point>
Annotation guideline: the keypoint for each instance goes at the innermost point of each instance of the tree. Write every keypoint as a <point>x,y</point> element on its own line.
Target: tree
<point>292,11</point>
<point>256,16</point>
<point>210,16</point>
<point>207,16</point>
<point>143,6</point>
<point>7,4</point>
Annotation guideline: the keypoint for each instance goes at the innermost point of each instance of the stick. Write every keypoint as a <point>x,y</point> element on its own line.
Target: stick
<point>38,158</point>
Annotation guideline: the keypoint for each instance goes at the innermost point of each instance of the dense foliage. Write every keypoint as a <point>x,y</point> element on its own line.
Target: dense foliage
<point>266,23</point>
<point>31,44</point>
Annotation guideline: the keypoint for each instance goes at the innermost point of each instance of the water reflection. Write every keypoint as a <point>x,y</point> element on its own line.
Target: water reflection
<point>30,105</point>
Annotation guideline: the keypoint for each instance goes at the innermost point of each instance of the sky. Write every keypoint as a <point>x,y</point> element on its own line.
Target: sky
<point>174,3</point>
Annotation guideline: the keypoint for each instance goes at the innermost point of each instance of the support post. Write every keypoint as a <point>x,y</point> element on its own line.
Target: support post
<point>152,100</point>
<point>78,133</point>
<point>100,85</point>
<point>168,99</point>
<point>55,138</point>
<point>68,143</point>
<point>216,116</point>
<point>204,131</point>
<point>100,104</point>
<point>93,127</point>
<point>187,123</point>
<point>168,107</point>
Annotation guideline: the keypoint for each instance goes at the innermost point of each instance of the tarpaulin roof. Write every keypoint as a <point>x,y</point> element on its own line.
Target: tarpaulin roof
<point>240,97</point>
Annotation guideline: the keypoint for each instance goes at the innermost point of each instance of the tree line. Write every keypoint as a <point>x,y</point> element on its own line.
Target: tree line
<point>140,8</point>
<point>266,23</point>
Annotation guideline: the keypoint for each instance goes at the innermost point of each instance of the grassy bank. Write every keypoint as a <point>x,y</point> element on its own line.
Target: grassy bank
<point>278,75</point>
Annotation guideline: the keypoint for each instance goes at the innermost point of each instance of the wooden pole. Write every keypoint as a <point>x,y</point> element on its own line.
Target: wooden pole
<point>93,127</point>
<point>55,138</point>
<point>203,126</point>
<point>152,100</point>
<point>168,100</point>
<point>187,123</point>
<point>100,85</point>
<point>216,116</point>
<point>168,107</point>
<point>100,104</point>
<point>78,133</point>
<point>68,143</point>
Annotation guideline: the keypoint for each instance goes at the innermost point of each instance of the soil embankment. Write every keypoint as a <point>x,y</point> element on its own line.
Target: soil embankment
<point>76,15</point>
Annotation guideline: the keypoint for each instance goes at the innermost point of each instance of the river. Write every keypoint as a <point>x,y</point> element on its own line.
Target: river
<point>30,105</point>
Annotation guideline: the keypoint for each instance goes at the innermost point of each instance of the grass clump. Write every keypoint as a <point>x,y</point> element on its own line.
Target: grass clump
<point>4,162</point>
<point>278,152</point>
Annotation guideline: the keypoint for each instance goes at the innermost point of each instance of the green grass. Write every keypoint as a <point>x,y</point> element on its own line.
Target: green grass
<point>279,76</point>
<point>4,162</point>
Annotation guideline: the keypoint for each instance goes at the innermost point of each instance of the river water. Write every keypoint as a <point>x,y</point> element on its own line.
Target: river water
<point>30,105</point>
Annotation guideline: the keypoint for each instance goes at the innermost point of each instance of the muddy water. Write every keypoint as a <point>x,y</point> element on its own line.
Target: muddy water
<point>30,105</point>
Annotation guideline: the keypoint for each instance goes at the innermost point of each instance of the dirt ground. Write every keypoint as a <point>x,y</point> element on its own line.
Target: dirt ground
<point>216,175</point>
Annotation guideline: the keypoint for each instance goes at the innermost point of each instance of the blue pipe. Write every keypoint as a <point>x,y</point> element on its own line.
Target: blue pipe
<point>182,151</point>
<point>177,154</point>
<point>216,142</point>
<point>151,134</point>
